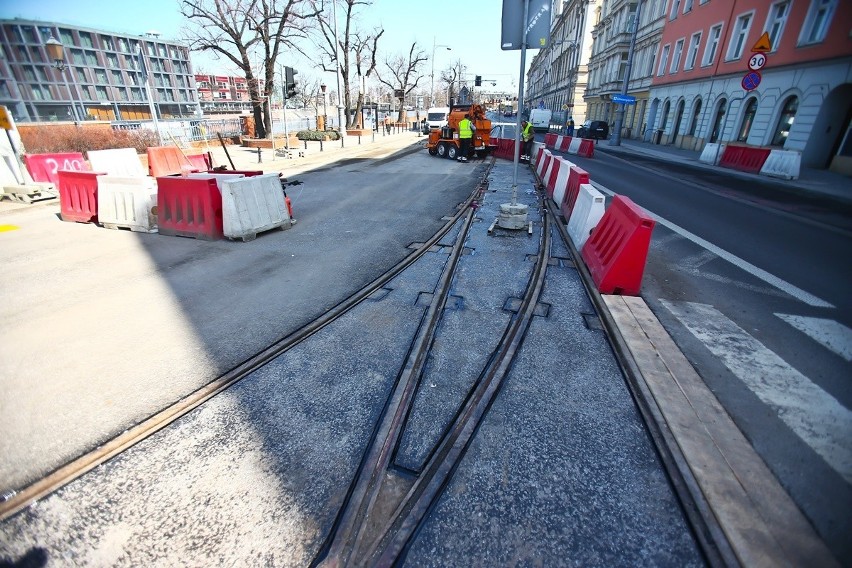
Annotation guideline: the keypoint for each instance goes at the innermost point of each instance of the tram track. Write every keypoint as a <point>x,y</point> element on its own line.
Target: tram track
<point>15,501</point>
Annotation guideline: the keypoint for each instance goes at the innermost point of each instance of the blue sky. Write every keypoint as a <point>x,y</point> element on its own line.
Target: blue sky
<point>471,28</point>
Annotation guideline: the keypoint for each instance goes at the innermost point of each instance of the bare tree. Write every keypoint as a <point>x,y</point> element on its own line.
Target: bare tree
<point>234,29</point>
<point>351,44</point>
<point>403,73</point>
<point>451,78</point>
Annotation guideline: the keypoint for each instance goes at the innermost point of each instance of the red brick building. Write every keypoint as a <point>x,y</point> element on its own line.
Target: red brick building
<point>219,94</point>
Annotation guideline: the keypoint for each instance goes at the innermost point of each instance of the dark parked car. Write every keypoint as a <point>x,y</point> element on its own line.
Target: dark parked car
<point>598,129</point>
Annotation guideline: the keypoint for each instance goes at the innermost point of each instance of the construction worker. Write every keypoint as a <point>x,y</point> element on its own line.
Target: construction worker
<point>527,135</point>
<point>466,130</point>
<point>570,126</point>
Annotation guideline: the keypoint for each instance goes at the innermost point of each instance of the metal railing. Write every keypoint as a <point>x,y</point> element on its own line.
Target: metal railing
<point>185,131</point>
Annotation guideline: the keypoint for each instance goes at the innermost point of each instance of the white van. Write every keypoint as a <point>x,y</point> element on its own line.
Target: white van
<point>540,118</point>
<point>436,117</point>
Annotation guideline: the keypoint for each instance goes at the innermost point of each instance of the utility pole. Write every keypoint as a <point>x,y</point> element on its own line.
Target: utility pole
<point>619,115</point>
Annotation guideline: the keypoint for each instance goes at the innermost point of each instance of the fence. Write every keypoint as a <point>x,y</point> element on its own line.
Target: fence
<point>186,131</point>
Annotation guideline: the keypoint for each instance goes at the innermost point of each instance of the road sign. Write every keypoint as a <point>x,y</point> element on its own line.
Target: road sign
<point>751,80</point>
<point>624,99</point>
<point>756,62</point>
<point>763,44</point>
<point>538,24</point>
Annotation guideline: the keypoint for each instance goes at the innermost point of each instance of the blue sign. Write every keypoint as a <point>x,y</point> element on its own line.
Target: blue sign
<point>751,81</point>
<point>624,99</point>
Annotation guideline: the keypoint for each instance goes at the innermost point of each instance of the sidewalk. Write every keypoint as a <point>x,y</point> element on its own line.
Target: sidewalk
<point>823,183</point>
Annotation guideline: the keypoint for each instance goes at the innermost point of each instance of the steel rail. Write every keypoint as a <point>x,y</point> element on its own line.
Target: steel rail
<point>67,473</point>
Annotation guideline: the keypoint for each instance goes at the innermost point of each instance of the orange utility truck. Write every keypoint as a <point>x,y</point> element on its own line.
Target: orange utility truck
<point>444,141</point>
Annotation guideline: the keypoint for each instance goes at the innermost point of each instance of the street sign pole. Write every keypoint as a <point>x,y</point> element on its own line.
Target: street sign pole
<point>619,115</point>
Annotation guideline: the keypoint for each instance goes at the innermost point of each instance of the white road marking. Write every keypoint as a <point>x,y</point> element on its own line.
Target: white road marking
<point>790,289</point>
<point>832,334</point>
<point>814,415</point>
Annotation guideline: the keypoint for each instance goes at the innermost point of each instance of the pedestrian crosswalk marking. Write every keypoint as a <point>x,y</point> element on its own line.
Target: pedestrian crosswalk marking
<point>813,414</point>
<point>831,334</point>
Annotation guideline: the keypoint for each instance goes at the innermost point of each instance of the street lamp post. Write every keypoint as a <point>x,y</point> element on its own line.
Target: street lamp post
<point>56,53</point>
<point>432,87</point>
<point>619,114</point>
<point>323,87</point>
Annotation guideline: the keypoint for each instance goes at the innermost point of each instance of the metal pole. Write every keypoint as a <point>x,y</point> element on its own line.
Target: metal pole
<point>520,104</point>
<point>619,115</point>
<point>341,113</point>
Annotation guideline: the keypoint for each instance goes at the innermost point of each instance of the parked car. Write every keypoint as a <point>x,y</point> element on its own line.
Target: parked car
<point>598,129</point>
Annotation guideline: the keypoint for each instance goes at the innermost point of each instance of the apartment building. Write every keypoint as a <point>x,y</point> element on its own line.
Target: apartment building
<point>799,99</point>
<point>100,77</point>
<point>558,74</point>
<point>220,94</point>
<point>612,32</point>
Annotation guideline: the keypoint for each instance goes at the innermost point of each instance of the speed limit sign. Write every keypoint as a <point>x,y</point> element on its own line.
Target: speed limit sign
<point>757,61</point>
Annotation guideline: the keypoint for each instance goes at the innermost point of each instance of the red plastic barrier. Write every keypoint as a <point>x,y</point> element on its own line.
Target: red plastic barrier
<point>167,161</point>
<point>199,162</point>
<point>539,154</point>
<point>189,207</point>
<point>549,139</point>
<point>550,184</point>
<point>618,247</point>
<point>576,177</point>
<point>542,166</point>
<point>587,148</point>
<point>43,167</point>
<point>78,195</point>
<point>566,141</point>
<point>505,148</point>
<point>744,158</point>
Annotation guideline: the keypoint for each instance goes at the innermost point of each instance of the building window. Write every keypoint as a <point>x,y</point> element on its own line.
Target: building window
<point>86,40</point>
<point>101,76</point>
<point>712,45</point>
<point>738,39</point>
<point>775,22</point>
<point>687,6</point>
<point>664,59</point>
<point>817,21</point>
<point>717,123</point>
<point>748,119</point>
<point>785,121</point>
<point>678,51</point>
<point>696,112</point>
<point>692,54</point>
<point>101,93</point>
<point>675,8</point>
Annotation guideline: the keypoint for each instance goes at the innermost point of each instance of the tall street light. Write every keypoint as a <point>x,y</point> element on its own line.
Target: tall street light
<point>619,114</point>
<point>323,87</point>
<point>432,88</point>
<point>56,53</point>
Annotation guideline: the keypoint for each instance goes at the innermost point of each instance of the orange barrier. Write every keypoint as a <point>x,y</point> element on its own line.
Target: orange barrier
<point>44,167</point>
<point>587,148</point>
<point>744,158</point>
<point>549,140</point>
<point>577,176</point>
<point>550,184</point>
<point>188,207</point>
<point>78,195</point>
<point>167,161</point>
<point>617,250</point>
<point>566,141</point>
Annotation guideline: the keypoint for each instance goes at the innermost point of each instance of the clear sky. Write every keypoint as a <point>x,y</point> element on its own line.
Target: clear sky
<point>472,29</point>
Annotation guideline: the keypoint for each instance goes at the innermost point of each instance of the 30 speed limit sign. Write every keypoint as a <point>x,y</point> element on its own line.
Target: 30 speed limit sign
<point>757,61</point>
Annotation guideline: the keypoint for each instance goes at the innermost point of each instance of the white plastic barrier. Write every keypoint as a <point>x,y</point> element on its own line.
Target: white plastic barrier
<point>712,153</point>
<point>783,164</point>
<point>252,205</point>
<point>574,147</point>
<point>128,202</point>
<point>16,182</point>
<point>558,142</point>
<point>117,162</point>
<point>586,214</point>
<point>539,167</point>
<point>561,182</point>
<point>553,161</point>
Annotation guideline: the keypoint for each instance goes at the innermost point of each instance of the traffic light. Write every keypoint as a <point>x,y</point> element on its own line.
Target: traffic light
<point>478,81</point>
<point>290,82</point>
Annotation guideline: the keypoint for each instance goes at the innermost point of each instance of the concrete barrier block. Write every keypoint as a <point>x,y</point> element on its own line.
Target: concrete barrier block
<point>252,205</point>
<point>122,162</point>
<point>784,164</point>
<point>128,203</point>
<point>574,146</point>
<point>587,213</point>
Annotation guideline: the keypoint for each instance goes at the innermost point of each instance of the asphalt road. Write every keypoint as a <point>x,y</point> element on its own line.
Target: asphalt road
<point>753,282</point>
